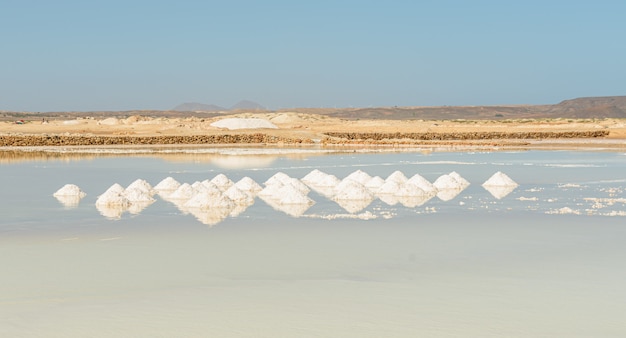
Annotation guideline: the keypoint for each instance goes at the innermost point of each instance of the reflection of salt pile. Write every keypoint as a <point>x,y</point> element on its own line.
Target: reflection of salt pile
<point>184,192</point>
<point>423,184</point>
<point>211,201</point>
<point>322,183</point>
<point>112,203</point>
<point>352,195</point>
<point>409,192</point>
<point>139,194</point>
<point>499,185</point>
<point>450,185</point>
<point>69,195</point>
<point>286,194</point>
<point>375,183</point>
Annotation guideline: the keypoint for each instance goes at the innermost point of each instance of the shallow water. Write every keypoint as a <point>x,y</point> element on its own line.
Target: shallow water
<point>544,260</point>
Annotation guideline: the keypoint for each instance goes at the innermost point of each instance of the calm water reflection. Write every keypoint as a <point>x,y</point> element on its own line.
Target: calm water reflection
<point>544,259</point>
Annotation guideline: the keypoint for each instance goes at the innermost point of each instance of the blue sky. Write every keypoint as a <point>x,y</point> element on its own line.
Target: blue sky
<point>124,55</point>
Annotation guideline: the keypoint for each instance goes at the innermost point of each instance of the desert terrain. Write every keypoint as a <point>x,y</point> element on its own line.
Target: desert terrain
<point>586,122</point>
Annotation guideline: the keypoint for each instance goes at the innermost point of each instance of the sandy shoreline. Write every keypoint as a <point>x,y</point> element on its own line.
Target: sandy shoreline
<point>323,133</point>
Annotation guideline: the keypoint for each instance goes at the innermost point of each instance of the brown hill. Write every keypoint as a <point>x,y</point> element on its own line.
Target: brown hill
<point>580,108</point>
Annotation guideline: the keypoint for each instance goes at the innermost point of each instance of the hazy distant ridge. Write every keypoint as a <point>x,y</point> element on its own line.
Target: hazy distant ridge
<point>241,105</point>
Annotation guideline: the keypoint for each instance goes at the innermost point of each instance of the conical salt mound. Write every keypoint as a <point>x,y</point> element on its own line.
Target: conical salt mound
<point>359,176</point>
<point>397,176</point>
<point>141,185</point>
<point>167,183</point>
<point>462,182</point>
<point>423,183</point>
<point>278,178</point>
<point>248,185</point>
<point>69,190</point>
<point>317,178</point>
<point>500,179</point>
<point>222,182</point>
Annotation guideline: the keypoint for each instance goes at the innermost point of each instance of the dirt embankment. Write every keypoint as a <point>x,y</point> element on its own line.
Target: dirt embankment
<point>60,140</point>
<point>470,135</point>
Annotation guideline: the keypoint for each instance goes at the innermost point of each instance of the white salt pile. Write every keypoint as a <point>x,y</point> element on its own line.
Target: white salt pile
<point>499,185</point>
<point>352,195</point>
<point>446,181</point>
<point>206,200</point>
<point>243,123</point>
<point>289,194</point>
<point>248,185</point>
<point>113,196</point>
<point>70,190</point>
<point>352,190</point>
<point>222,182</point>
<point>136,194</point>
<point>389,188</point>
<point>111,121</point>
<point>116,188</point>
<point>463,183</point>
<point>423,184</point>
<point>141,185</point>
<point>397,176</point>
<point>450,185</point>
<point>375,183</point>
<point>279,177</point>
<point>69,195</point>
<point>410,189</point>
<point>359,176</point>
<point>167,184</point>
<point>500,179</point>
<point>185,191</point>
<point>317,178</point>
<point>238,196</point>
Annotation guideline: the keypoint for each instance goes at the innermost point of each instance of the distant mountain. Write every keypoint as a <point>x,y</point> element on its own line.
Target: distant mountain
<point>247,105</point>
<point>195,106</point>
<point>241,105</point>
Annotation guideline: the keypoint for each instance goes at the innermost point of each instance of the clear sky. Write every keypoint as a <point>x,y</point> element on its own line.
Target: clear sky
<point>124,55</point>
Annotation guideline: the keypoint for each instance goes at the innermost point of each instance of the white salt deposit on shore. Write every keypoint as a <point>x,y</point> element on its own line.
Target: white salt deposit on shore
<point>243,123</point>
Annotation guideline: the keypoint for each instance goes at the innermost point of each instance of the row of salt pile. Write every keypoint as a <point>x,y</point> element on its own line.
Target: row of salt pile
<point>211,201</point>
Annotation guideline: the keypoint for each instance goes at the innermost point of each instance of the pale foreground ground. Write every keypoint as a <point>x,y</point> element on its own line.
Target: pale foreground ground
<point>310,126</point>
